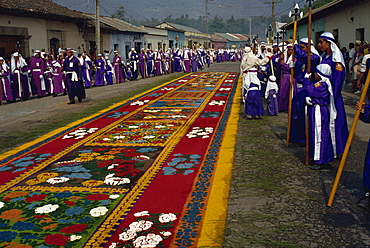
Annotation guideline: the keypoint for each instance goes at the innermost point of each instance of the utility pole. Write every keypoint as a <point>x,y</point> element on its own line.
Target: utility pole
<point>273,2</point>
<point>97,27</point>
<point>207,15</point>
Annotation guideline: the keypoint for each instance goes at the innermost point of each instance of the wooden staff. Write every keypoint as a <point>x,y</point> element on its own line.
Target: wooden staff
<point>349,141</point>
<point>291,87</point>
<point>309,30</point>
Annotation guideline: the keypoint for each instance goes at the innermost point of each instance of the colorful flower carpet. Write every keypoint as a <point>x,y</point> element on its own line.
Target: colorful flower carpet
<point>139,174</point>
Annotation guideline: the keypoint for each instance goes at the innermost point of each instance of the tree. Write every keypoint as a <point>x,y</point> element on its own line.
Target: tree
<point>120,13</point>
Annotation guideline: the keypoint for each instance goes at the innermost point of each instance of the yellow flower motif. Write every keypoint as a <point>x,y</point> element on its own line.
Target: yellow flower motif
<point>89,154</point>
<point>34,181</point>
<point>92,183</point>
<point>45,176</point>
<point>84,159</point>
<point>105,157</point>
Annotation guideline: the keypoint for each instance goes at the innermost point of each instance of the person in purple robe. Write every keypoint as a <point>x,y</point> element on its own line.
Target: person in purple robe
<point>37,67</point>
<point>194,62</point>
<point>253,106</point>
<point>134,59</point>
<point>142,64</point>
<point>284,65</point>
<point>19,76</point>
<point>6,91</point>
<point>321,114</point>
<point>187,61</point>
<point>298,120</point>
<point>117,68</point>
<point>272,107</point>
<point>128,71</point>
<point>333,57</point>
<point>150,63</point>
<point>158,62</point>
<point>100,69</point>
<point>218,56</point>
<point>58,85</point>
<point>208,59</point>
<point>86,66</point>
<point>74,84</point>
<point>176,61</point>
<point>109,73</point>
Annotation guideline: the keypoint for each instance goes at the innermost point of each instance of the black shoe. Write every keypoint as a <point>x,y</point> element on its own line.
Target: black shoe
<point>318,167</point>
<point>65,93</point>
<point>71,103</point>
<point>80,100</point>
<point>55,95</point>
<point>364,202</point>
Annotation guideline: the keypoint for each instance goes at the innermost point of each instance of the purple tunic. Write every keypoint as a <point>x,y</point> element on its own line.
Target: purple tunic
<point>337,79</point>
<point>272,107</point>
<point>194,63</point>
<point>187,62</point>
<point>58,85</point>
<point>74,85</point>
<point>100,69</point>
<point>117,66</point>
<point>253,102</point>
<point>86,73</point>
<point>366,177</point>
<point>142,65</point>
<point>109,74</point>
<point>283,94</point>
<point>6,91</point>
<point>37,67</point>
<point>20,80</point>
<point>320,98</point>
<point>158,63</point>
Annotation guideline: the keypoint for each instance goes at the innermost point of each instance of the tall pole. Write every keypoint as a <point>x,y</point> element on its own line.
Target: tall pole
<point>309,35</point>
<point>273,2</point>
<point>206,16</point>
<point>97,26</point>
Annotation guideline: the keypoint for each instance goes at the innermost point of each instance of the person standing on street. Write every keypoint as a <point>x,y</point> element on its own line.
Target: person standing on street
<point>72,69</point>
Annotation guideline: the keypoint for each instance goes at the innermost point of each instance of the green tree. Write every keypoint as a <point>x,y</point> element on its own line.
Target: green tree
<point>120,13</point>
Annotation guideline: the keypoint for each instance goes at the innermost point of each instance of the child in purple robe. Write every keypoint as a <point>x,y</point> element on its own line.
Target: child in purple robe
<point>321,113</point>
<point>109,73</point>
<point>58,85</point>
<point>100,69</point>
<point>272,89</point>
<point>6,91</point>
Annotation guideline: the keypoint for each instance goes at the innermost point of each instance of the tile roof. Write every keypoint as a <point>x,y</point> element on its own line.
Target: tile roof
<point>228,37</point>
<point>118,24</point>
<point>181,27</point>
<point>45,9</point>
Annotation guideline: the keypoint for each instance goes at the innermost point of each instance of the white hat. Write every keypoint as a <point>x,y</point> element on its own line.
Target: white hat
<point>37,51</point>
<point>324,70</point>
<point>1,58</point>
<point>99,55</point>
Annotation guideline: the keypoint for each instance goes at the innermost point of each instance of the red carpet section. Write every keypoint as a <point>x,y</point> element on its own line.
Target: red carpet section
<point>135,175</point>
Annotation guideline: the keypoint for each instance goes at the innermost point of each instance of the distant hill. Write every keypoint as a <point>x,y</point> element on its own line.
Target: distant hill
<point>160,9</point>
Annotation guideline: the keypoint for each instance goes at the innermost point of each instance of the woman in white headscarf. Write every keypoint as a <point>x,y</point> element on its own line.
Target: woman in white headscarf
<point>6,91</point>
<point>321,113</point>
<point>334,58</point>
<point>19,71</point>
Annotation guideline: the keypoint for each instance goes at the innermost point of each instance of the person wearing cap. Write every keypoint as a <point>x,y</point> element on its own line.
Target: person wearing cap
<point>6,91</point>
<point>117,68</point>
<point>19,75</point>
<point>272,107</point>
<point>253,106</point>
<point>100,69</point>
<point>37,67</point>
<point>73,71</point>
<point>333,57</point>
<point>321,114</point>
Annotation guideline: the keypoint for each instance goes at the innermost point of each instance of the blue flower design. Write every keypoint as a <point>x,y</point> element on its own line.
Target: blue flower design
<point>7,235</point>
<point>80,175</point>
<point>20,169</point>
<point>188,172</point>
<point>172,163</point>
<point>87,218</point>
<point>3,224</point>
<point>169,171</point>
<point>22,164</point>
<point>104,202</point>
<point>195,156</point>
<point>185,166</point>
<point>178,154</point>
<point>44,155</point>
<point>87,202</point>
<point>86,151</point>
<point>147,149</point>
<point>178,160</point>
<point>44,246</point>
<point>63,195</point>
<point>64,221</point>
<point>5,168</point>
<point>74,211</point>
<point>17,199</point>
<point>32,205</point>
<point>34,193</point>
<point>73,168</point>
<point>23,226</point>
<point>30,237</point>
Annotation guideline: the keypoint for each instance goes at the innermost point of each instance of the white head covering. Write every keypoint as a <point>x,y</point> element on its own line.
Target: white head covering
<point>21,64</point>
<point>337,54</point>
<point>271,85</point>
<point>304,41</point>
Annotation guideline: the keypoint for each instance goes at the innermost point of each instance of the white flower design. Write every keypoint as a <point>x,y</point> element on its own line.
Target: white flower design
<point>46,209</point>
<point>99,211</point>
<point>113,196</point>
<point>128,235</point>
<point>142,213</point>
<point>141,225</point>
<point>113,245</point>
<point>55,180</point>
<point>148,241</point>
<point>111,180</point>
<point>166,234</point>
<point>2,204</point>
<point>164,218</point>
<point>75,237</point>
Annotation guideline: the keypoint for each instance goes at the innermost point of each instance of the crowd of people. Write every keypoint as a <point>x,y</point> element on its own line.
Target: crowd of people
<point>43,75</point>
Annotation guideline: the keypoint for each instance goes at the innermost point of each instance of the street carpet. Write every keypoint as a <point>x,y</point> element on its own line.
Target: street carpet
<point>146,172</point>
